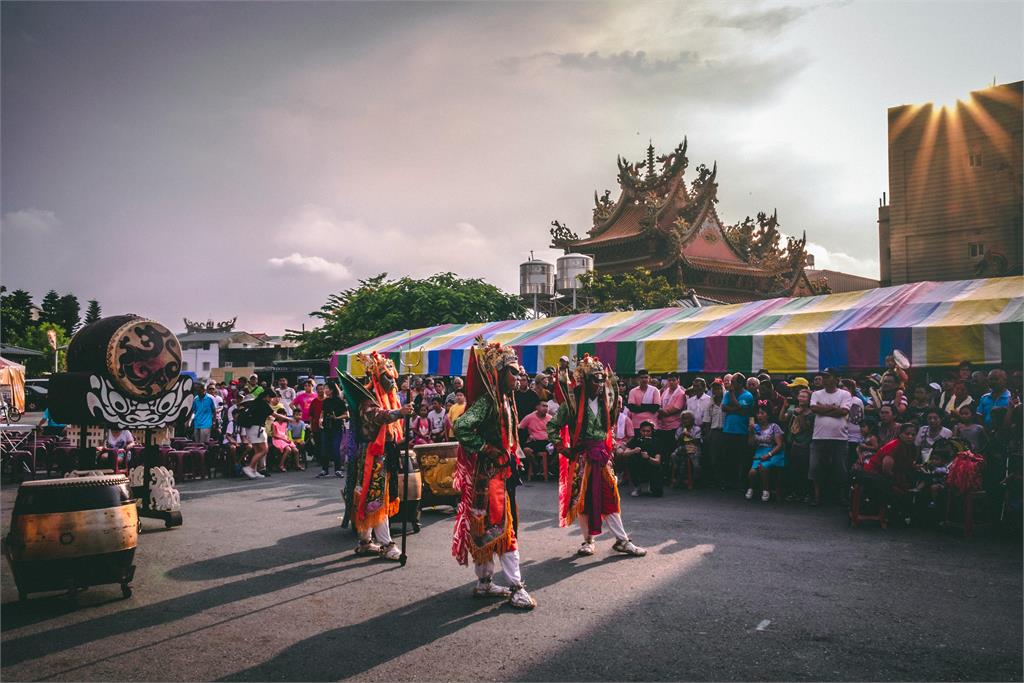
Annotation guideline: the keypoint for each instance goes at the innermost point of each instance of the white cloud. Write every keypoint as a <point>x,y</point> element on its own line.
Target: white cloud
<point>824,259</point>
<point>31,220</point>
<point>311,264</point>
<point>418,250</point>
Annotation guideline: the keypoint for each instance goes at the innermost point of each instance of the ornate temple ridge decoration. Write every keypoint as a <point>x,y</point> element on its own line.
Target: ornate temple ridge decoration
<point>210,325</point>
<point>670,226</point>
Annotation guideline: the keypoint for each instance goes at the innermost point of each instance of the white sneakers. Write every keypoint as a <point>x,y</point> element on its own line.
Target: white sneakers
<point>586,548</point>
<point>251,473</point>
<point>517,596</point>
<point>765,496</point>
<point>391,552</point>
<point>520,598</point>
<point>749,494</point>
<point>635,493</point>
<point>489,589</point>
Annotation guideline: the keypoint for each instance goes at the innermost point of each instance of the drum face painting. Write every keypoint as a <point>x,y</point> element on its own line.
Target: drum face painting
<point>72,532</point>
<point>141,356</point>
<point>437,463</point>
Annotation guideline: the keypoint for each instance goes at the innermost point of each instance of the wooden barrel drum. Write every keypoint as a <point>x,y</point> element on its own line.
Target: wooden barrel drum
<point>68,534</point>
<point>415,481</point>
<point>141,356</point>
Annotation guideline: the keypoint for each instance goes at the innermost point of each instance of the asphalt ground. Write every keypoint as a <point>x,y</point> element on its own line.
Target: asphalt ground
<point>260,583</point>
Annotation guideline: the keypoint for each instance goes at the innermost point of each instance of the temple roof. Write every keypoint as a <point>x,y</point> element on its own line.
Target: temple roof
<point>656,203</point>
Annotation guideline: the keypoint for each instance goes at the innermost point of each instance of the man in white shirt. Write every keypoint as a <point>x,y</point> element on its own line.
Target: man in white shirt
<point>829,444</point>
<point>286,393</point>
<point>700,404</point>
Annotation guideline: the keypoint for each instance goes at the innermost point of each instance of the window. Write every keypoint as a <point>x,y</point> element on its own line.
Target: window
<point>976,249</point>
<point>975,159</point>
<point>184,367</point>
<point>206,367</point>
<point>206,346</point>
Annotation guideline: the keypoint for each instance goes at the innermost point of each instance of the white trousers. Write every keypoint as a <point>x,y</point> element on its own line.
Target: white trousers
<point>382,530</point>
<point>509,564</point>
<point>614,522</point>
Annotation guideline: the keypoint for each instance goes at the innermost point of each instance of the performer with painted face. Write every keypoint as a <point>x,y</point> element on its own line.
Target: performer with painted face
<point>379,434</point>
<point>488,472</point>
<point>587,490</point>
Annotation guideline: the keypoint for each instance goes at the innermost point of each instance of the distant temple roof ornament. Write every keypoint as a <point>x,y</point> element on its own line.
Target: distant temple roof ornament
<point>210,325</point>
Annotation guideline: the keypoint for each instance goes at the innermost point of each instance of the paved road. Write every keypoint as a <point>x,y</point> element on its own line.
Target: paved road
<point>261,584</point>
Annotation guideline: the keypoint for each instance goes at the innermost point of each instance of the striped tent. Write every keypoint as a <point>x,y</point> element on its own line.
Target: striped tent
<point>934,323</point>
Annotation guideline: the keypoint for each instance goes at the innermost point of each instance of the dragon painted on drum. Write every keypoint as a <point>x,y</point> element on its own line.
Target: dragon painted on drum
<point>148,357</point>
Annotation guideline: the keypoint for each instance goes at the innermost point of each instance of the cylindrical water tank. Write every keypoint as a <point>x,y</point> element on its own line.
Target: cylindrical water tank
<point>536,277</point>
<point>570,267</point>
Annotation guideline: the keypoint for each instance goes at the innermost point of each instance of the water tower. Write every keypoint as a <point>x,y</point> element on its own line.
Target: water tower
<point>536,282</point>
<point>570,267</point>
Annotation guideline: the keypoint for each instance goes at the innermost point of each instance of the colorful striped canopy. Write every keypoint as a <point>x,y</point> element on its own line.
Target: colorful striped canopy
<point>933,323</point>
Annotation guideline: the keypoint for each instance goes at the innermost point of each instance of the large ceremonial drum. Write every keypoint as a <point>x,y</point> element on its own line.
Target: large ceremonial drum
<point>437,463</point>
<point>141,356</point>
<point>72,533</point>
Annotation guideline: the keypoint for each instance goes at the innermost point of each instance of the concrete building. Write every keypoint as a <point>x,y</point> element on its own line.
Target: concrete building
<point>212,350</point>
<point>954,208</point>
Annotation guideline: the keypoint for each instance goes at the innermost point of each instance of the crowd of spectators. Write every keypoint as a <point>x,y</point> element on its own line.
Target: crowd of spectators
<point>794,439</point>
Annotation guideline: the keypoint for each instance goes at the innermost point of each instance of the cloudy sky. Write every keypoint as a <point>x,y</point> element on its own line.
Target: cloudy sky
<point>219,159</point>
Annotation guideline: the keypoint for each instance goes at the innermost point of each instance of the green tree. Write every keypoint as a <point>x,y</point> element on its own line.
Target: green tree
<point>633,291</point>
<point>379,305</point>
<point>38,340</point>
<point>69,313</point>
<point>50,308</point>
<point>16,322</point>
<point>93,312</point>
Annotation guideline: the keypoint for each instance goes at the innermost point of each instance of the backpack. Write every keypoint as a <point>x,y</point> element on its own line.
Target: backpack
<point>244,417</point>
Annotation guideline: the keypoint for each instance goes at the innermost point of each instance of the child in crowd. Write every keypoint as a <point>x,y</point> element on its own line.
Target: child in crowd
<point>438,419</point>
<point>688,436</point>
<point>297,435</point>
<point>968,429</point>
<point>868,445</point>
<point>421,426</point>
<point>279,438</point>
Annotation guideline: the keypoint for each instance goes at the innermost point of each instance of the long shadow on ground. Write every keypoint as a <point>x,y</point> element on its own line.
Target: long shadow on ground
<point>377,640</point>
<point>307,547</point>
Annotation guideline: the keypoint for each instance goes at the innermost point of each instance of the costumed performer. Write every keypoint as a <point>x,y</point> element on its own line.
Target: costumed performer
<point>379,433</point>
<point>488,472</point>
<point>587,490</point>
